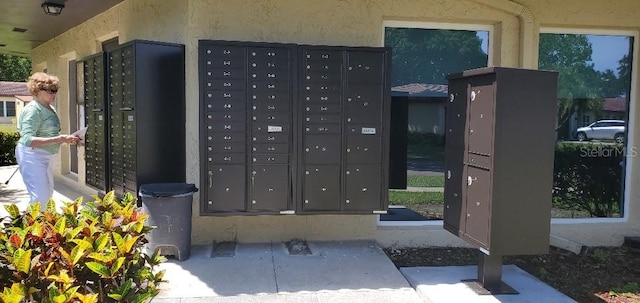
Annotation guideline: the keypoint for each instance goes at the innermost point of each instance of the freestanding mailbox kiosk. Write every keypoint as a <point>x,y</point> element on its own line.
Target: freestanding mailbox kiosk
<point>500,136</point>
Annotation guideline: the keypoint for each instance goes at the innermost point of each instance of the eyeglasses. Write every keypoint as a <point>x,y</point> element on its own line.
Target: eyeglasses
<point>51,91</point>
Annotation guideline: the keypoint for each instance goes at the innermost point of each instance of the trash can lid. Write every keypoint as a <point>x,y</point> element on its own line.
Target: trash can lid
<point>167,189</point>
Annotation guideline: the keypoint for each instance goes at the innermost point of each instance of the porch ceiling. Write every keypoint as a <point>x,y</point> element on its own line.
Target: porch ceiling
<point>28,15</point>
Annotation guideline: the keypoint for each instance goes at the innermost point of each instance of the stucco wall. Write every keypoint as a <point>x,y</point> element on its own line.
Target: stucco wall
<point>352,23</point>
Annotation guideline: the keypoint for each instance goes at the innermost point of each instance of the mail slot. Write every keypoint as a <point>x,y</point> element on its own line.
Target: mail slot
<point>323,119</point>
<point>271,117</point>
<point>226,147</point>
<point>323,108</point>
<point>227,158</point>
<point>227,116</point>
<point>226,137</point>
<point>271,106</point>
<point>270,137</point>
<point>281,84</point>
<point>225,73</point>
<point>321,97</point>
<point>266,148</point>
<point>224,52</point>
<point>227,127</point>
<point>275,96</point>
<point>270,159</point>
<point>270,128</point>
<point>224,96</point>
<point>227,84</point>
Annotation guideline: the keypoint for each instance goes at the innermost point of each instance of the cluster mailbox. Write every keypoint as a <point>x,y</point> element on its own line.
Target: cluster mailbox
<point>134,100</point>
<point>293,129</point>
<point>499,162</point>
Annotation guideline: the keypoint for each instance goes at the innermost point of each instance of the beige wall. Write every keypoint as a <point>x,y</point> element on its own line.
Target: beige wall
<point>353,23</point>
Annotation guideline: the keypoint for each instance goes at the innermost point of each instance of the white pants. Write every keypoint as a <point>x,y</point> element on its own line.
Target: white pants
<point>36,168</point>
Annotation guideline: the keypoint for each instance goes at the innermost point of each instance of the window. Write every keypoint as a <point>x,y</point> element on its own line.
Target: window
<point>11,109</point>
<point>594,83</point>
<point>423,54</point>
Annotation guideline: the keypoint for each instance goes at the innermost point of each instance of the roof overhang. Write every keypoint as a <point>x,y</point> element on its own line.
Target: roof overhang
<point>25,26</point>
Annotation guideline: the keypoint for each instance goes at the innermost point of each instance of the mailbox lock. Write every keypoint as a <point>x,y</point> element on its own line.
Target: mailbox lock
<point>452,97</point>
<point>324,189</point>
<point>364,189</point>
<point>473,95</point>
<point>253,201</point>
<point>348,201</point>
<point>448,174</point>
<point>306,201</point>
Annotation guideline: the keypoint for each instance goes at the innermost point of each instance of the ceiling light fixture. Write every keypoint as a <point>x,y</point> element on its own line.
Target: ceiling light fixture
<point>52,8</point>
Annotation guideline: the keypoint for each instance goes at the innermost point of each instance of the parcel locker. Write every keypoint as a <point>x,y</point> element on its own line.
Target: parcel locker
<point>499,159</point>
<point>146,122</point>
<point>96,152</point>
<point>248,126</point>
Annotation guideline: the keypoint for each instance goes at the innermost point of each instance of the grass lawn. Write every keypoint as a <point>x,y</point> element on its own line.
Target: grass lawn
<point>425,181</point>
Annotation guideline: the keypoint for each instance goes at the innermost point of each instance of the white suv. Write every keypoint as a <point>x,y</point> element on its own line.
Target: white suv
<point>603,130</point>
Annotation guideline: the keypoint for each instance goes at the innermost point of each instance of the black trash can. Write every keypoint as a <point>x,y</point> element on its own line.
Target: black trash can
<point>169,208</point>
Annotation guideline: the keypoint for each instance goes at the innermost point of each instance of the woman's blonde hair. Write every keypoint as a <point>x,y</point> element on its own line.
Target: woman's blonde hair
<point>42,81</point>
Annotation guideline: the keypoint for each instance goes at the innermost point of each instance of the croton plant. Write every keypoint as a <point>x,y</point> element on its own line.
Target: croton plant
<point>88,252</point>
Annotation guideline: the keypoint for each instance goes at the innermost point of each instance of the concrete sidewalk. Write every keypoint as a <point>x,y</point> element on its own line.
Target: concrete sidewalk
<point>334,272</point>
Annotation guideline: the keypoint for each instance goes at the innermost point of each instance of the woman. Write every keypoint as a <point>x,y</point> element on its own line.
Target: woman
<point>40,138</point>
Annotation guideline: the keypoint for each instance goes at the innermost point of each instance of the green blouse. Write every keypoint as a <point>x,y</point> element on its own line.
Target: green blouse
<point>38,121</point>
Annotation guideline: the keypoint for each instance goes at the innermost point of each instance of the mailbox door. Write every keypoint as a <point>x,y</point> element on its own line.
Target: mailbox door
<point>363,187</point>
<point>364,144</point>
<point>365,66</point>
<point>321,188</point>
<point>322,149</point>
<point>481,108</point>
<point>454,190</point>
<point>364,104</point>
<point>456,115</point>
<point>478,205</point>
<point>270,188</point>
<point>226,188</point>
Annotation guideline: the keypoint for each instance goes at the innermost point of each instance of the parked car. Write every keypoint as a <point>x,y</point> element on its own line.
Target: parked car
<point>602,130</point>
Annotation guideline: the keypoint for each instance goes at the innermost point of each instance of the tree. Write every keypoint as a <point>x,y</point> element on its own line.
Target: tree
<point>579,84</point>
<point>429,55</point>
<point>14,68</point>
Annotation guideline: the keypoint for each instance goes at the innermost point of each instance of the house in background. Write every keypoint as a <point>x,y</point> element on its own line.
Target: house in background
<point>13,96</point>
<point>426,106</point>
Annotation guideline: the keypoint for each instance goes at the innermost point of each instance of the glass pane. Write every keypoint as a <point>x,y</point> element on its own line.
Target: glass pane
<point>421,60</point>
<point>593,97</point>
<point>11,109</point>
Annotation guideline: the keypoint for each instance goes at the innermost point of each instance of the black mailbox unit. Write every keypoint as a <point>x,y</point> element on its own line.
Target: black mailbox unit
<point>247,127</point>
<point>293,129</point>
<point>344,108</point>
<point>96,152</point>
<point>144,116</point>
<point>500,136</point>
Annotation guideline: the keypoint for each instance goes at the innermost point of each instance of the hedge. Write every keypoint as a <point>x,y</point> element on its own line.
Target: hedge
<point>588,177</point>
<point>8,141</point>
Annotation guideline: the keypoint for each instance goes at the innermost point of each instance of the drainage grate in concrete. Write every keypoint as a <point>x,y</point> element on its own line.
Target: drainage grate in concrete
<point>298,247</point>
<point>223,249</point>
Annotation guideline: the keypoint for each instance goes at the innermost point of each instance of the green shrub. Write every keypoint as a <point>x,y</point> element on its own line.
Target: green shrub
<point>589,177</point>
<point>87,253</point>
<point>8,141</point>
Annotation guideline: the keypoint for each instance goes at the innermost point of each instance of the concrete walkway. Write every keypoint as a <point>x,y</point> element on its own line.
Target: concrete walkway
<point>334,271</point>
